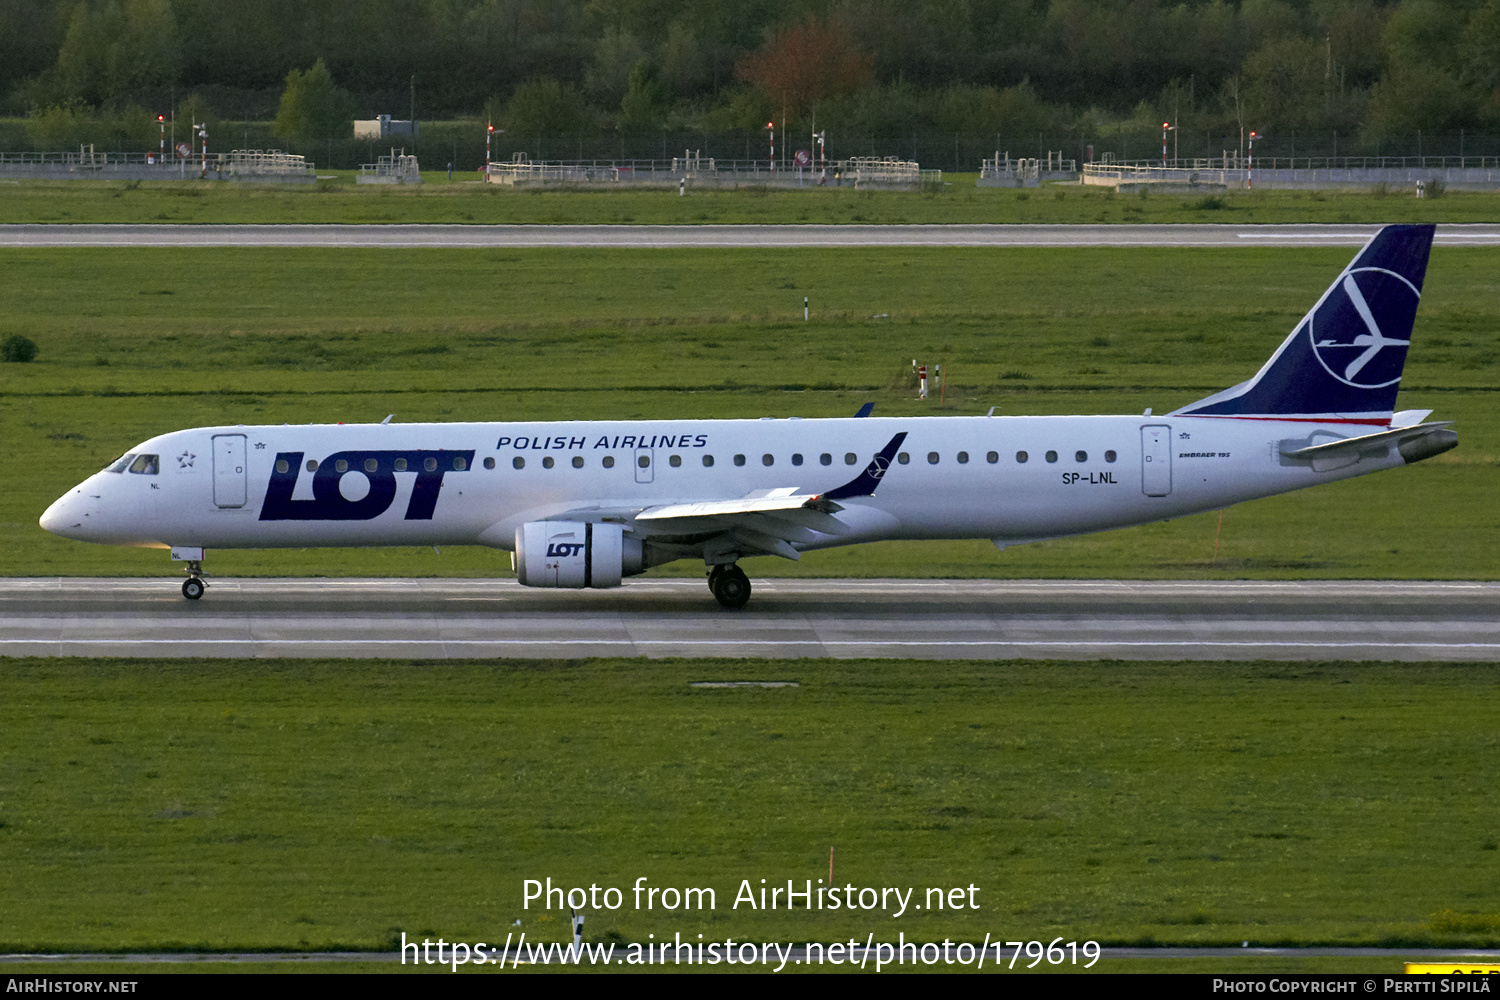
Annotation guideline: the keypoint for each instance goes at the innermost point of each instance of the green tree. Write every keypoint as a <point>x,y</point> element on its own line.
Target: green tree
<point>59,126</point>
<point>684,62</point>
<point>313,110</point>
<point>644,106</point>
<point>112,48</point>
<point>1014,111</point>
<point>1285,86</point>
<point>540,106</point>
<point>616,55</point>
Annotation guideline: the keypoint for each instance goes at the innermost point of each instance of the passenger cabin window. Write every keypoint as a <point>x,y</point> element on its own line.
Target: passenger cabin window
<point>1080,456</point>
<point>739,460</point>
<point>489,463</point>
<point>609,461</point>
<point>1021,457</point>
<point>1109,456</point>
<point>371,464</point>
<point>312,465</point>
<point>460,463</point>
<point>547,462</point>
<point>577,461</point>
<point>283,466</point>
<point>516,463</point>
<point>932,458</point>
<point>992,457</point>
<point>430,464</point>
<point>401,464</point>
<point>903,458</point>
<point>343,466</point>
<point>963,458</point>
<point>644,461</point>
<point>120,464</point>
<point>850,458</point>
<point>675,461</point>
<point>825,459</point>
<point>1051,456</point>
<point>145,465</point>
<point>708,461</point>
<point>767,460</point>
<point>796,459</point>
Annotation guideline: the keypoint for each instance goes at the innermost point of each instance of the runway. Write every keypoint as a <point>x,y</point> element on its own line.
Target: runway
<point>634,237</point>
<point>899,619</point>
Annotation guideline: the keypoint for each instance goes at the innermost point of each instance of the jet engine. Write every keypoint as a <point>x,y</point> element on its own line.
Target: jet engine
<point>575,554</point>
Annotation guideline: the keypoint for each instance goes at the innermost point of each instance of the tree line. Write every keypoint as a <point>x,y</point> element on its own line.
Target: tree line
<point>1359,72</point>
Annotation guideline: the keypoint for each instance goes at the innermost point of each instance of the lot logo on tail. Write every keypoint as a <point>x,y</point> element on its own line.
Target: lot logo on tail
<point>1346,330</point>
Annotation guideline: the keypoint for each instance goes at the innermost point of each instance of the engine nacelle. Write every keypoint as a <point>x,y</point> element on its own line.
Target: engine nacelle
<point>575,554</point>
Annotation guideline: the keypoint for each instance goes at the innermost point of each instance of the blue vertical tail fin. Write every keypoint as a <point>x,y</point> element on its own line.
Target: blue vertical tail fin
<point>1344,359</point>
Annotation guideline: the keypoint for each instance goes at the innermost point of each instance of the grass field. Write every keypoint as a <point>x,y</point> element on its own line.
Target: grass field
<point>468,201</point>
<point>136,342</point>
<point>323,805</point>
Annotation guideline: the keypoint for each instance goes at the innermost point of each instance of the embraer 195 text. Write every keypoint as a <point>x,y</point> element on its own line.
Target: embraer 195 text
<point>585,504</point>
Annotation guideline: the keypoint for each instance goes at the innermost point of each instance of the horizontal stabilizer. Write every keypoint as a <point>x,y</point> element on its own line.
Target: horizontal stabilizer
<point>1416,442</point>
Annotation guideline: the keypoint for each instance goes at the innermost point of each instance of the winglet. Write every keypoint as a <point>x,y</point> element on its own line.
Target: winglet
<point>864,484</point>
<point>864,411</point>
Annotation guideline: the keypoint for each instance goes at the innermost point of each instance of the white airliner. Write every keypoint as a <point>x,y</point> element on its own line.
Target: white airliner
<point>586,503</point>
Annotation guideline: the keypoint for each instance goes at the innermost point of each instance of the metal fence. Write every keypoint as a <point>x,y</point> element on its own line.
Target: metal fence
<point>264,163</point>
<point>1002,171</point>
<point>252,165</point>
<point>861,173</point>
<point>397,168</point>
<point>1234,171</point>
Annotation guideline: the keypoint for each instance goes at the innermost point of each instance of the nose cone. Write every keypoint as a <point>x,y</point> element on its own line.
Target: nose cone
<point>65,517</point>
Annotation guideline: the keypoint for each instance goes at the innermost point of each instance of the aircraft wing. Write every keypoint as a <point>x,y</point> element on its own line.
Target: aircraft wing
<point>763,501</point>
<point>769,522</point>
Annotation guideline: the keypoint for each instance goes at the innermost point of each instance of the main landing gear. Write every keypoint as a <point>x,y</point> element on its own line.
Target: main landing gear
<point>730,585</point>
<point>193,587</point>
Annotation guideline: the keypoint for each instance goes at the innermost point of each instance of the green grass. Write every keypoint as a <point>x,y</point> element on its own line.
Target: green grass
<point>329,805</point>
<point>137,342</point>
<point>464,200</point>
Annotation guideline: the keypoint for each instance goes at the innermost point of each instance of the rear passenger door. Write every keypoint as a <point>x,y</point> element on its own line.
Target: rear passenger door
<point>1156,460</point>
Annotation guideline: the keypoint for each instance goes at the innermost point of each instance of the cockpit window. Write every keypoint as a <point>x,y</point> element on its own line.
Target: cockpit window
<point>145,465</point>
<point>120,463</point>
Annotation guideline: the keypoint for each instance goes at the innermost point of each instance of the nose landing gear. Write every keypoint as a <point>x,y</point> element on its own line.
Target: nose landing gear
<point>193,587</point>
<point>730,585</point>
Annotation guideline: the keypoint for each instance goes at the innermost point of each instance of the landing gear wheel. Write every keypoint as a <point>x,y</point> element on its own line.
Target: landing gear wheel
<point>732,589</point>
<point>713,577</point>
<point>192,588</point>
